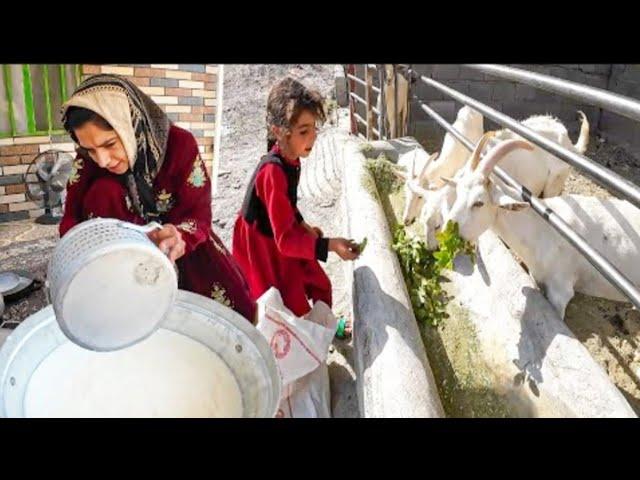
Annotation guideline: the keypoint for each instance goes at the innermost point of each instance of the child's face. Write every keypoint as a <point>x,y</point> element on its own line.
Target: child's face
<point>299,141</point>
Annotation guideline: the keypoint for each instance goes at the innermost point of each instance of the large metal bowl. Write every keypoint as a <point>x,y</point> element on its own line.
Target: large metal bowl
<point>225,332</point>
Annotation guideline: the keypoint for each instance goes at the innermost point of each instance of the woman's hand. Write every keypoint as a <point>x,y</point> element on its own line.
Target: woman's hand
<point>169,240</point>
<point>345,249</point>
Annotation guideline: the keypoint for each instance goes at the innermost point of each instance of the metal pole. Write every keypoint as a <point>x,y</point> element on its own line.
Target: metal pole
<point>368,77</point>
<point>352,109</point>
<point>358,98</point>
<point>625,106</point>
<point>611,273</point>
<point>379,112</point>
<point>363,102</point>
<point>395,104</point>
<point>357,80</point>
<point>360,119</point>
<point>409,93</point>
<point>610,179</point>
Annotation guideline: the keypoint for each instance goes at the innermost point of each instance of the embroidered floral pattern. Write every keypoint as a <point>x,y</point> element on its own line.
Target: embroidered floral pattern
<point>198,177</point>
<point>75,169</point>
<point>219,294</point>
<point>217,246</point>
<point>189,226</point>
<point>164,201</point>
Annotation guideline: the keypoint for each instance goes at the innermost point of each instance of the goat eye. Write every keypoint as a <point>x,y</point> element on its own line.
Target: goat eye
<point>477,204</point>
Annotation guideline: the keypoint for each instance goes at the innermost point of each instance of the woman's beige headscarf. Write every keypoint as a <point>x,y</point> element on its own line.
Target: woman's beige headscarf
<point>139,122</point>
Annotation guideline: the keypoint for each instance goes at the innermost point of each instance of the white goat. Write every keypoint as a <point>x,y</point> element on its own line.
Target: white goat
<point>436,207</point>
<point>542,173</point>
<point>453,154</point>
<point>415,162</point>
<point>452,157</point>
<point>415,171</point>
<point>611,226</point>
<point>397,125</point>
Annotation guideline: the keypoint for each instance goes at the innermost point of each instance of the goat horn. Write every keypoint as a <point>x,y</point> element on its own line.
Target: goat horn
<point>499,151</point>
<point>426,164</point>
<point>475,156</point>
<point>449,181</point>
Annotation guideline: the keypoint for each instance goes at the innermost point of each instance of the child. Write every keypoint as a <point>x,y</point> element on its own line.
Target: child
<point>272,243</point>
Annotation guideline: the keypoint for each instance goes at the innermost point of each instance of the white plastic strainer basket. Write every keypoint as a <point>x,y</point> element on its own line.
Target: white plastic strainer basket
<point>110,286</point>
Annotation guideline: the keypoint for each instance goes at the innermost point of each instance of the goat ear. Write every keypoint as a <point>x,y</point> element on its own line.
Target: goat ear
<point>449,181</point>
<point>506,202</point>
<point>416,189</point>
<point>412,171</point>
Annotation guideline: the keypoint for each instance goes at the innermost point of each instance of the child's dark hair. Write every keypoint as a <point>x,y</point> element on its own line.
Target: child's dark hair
<point>76,117</point>
<point>287,100</point>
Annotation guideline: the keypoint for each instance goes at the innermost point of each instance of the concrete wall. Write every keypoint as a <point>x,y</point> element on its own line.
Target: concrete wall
<point>521,101</point>
<point>515,100</point>
<point>624,80</point>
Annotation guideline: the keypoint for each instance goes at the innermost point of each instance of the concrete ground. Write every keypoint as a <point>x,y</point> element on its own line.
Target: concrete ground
<point>25,247</point>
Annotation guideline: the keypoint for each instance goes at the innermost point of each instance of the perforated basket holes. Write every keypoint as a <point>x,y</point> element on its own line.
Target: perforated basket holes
<point>77,246</point>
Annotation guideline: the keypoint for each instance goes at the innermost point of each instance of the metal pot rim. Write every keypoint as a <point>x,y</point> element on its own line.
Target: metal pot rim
<point>187,300</point>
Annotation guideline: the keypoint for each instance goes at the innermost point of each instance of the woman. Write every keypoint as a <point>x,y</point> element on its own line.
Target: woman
<point>134,165</point>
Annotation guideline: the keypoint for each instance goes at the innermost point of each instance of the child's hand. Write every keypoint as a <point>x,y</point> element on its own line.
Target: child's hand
<point>345,249</point>
<point>318,231</point>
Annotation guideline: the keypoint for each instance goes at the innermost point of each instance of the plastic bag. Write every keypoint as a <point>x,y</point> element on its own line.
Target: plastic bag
<point>300,346</point>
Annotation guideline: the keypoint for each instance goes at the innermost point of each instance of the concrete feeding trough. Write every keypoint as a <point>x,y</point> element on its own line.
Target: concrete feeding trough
<point>503,352</point>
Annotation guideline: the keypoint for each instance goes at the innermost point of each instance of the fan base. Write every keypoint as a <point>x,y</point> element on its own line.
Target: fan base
<point>48,219</point>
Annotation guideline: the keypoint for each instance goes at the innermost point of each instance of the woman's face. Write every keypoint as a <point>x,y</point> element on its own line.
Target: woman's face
<point>103,146</point>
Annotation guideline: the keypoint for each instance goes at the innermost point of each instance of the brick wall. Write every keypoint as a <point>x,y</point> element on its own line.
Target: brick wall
<point>187,93</point>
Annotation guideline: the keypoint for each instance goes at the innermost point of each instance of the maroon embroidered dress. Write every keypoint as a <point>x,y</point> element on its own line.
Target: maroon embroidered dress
<point>270,244</point>
<point>182,191</point>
